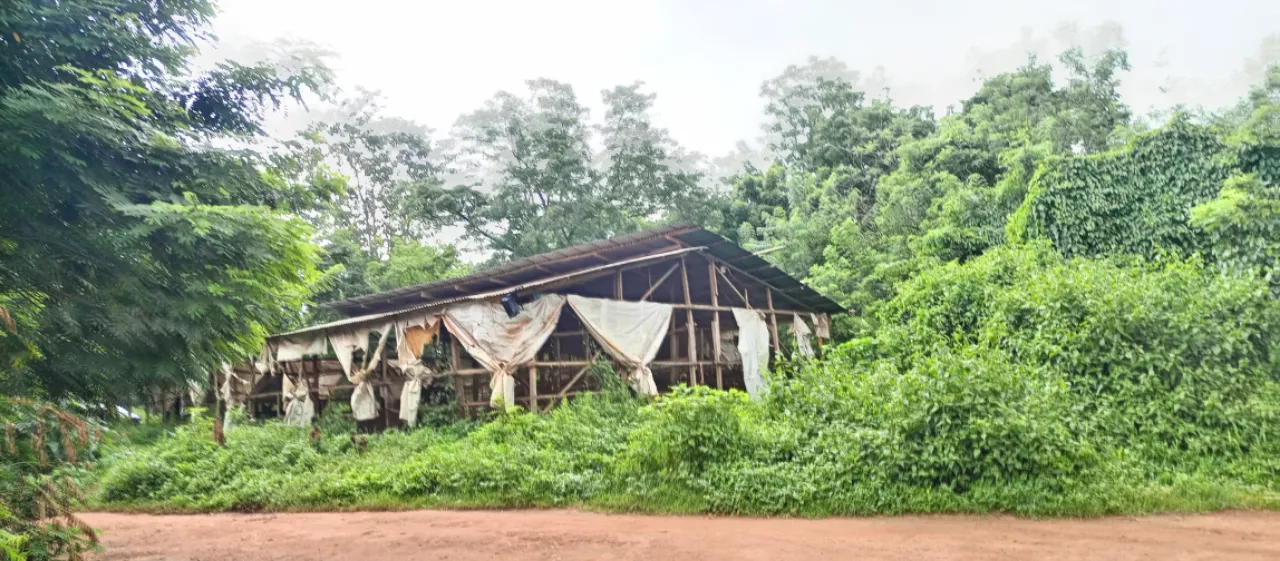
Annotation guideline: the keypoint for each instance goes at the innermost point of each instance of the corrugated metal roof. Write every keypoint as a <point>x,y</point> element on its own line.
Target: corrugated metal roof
<point>501,279</point>
<point>371,318</point>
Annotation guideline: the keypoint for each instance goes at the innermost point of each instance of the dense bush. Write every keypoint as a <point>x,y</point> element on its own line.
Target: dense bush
<point>1020,381</point>
<point>1133,200</point>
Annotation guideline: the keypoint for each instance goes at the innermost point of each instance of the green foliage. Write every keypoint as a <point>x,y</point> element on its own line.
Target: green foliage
<point>133,249</point>
<point>533,183</point>
<point>1018,381</point>
<point>1170,362</point>
<point>42,447</point>
<point>1134,200</point>
<point>1243,226</point>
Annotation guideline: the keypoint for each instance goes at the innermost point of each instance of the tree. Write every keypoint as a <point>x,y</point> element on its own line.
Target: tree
<point>533,184</point>
<point>833,147</point>
<point>413,263</point>
<point>382,159</point>
<point>133,251</point>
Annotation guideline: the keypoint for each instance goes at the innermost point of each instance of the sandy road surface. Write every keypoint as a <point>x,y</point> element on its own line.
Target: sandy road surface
<point>573,535</point>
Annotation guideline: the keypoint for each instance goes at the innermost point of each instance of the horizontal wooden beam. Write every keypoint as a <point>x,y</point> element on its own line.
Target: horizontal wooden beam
<point>731,308</point>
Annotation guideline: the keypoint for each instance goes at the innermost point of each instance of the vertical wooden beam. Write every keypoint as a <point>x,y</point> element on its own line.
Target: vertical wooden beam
<point>533,387</point>
<point>715,324</point>
<point>773,322</point>
<point>671,331</point>
<point>455,364</point>
<point>315,388</point>
<point>386,393</point>
<point>617,285</point>
<point>689,325</point>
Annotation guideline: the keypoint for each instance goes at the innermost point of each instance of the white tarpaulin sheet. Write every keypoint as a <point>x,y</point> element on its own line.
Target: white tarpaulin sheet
<point>298,408</point>
<point>753,345</point>
<point>411,335</point>
<point>345,343</point>
<point>630,332</point>
<point>294,348</point>
<point>803,335</point>
<point>500,343</point>
<point>821,325</point>
<point>263,362</point>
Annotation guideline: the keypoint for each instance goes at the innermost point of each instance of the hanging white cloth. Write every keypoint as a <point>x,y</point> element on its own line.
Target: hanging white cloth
<point>753,345</point>
<point>500,343</point>
<point>298,407</point>
<point>411,335</point>
<point>262,363</point>
<point>196,391</point>
<point>803,335</point>
<point>294,348</point>
<point>821,325</point>
<point>345,343</point>
<point>630,332</point>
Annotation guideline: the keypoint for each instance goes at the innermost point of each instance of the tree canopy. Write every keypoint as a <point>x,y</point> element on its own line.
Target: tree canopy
<point>133,248</point>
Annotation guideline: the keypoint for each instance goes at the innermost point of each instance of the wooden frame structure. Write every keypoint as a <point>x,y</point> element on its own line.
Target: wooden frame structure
<point>701,275</point>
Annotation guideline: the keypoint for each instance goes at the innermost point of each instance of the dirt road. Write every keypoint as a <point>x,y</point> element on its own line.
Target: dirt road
<point>572,535</point>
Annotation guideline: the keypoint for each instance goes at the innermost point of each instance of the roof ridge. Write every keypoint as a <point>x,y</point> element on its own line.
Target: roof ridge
<point>523,263</point>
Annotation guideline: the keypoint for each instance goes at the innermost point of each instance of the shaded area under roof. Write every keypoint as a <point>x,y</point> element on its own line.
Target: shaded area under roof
<point>587,255</point>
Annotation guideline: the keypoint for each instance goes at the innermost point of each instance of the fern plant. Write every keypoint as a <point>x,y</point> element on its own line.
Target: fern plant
<point>37,496</point>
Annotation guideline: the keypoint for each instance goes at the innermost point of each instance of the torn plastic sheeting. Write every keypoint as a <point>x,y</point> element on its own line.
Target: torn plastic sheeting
<point>821,325</point>
<point>630,332</point>
<point>753,345</point>
<point>298,407</point>
<point>345,343</point>
<point>411,336</point>
<point>501,343</point>
<point>803,335</point>
<point>294,348</point>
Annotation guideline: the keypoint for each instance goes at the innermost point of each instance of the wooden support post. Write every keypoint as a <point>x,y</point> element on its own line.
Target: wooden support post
<point>455,364</point>
<point>284,367</point>
<point>617,285</point>
<point>715,325</point>
<point>773,322</point>
<point>671,331</point>
<point>533,388</point>
<point>693,338</point>
<point>386,393</point>
<point>315,386</point>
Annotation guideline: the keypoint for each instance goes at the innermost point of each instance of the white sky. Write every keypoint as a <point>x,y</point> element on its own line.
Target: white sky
<point>435,61</point>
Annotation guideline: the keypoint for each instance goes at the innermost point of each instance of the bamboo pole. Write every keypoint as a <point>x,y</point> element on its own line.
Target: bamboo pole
<point>709,307</point>
<point>693,340</point>
<point>661,279</point>
<point>617,285</point>
<point>742,295</point>
<point>715,325</point>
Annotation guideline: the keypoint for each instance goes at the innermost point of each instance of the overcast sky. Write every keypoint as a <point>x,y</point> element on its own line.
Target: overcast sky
<point>434,61</point>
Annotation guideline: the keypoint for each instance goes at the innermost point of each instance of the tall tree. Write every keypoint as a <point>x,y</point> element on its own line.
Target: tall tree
<point>532,183</point>
<point>382,158</point>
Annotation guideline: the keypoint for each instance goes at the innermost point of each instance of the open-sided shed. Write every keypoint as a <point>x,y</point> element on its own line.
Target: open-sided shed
<point>670,305</point>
